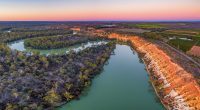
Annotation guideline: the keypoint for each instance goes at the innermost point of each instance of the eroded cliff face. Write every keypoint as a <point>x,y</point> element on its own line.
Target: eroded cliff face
<point>176,87</point>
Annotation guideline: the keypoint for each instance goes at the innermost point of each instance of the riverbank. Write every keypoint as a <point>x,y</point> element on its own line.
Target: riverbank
<point>176,87</point>
<point>122,85</point>
<point>154,87</point>
<point>150,77</point>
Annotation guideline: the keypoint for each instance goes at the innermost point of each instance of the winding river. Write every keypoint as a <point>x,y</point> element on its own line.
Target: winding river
<point>123,85</point>
<point>19,45</point>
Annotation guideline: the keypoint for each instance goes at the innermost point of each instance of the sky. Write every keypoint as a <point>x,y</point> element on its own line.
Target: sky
<point>99,10</point>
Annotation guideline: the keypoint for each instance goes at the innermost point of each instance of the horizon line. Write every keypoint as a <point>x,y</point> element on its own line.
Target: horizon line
<point>101,21</point>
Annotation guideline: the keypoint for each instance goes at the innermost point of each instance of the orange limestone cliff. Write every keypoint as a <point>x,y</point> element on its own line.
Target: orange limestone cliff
<point>176,87</point>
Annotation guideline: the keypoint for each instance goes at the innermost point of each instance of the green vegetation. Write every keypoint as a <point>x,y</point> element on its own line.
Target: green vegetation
<point>181,33</point>
<point>149,26</point>
<point>152,35</point>
<point>183,45</point>
<point>180,39</point>
<point>52,42</point>
<point>12,36</point>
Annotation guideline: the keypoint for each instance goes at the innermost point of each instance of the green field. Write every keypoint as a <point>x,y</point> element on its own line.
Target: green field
<point>149,26</point>
<point>184,45</point>
<point>187,33</point>
<point>145,26</point>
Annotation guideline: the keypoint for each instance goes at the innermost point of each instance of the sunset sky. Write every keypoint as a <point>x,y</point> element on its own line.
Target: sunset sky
<point>91,10</point>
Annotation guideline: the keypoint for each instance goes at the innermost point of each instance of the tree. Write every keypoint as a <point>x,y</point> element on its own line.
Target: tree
<point>52,97</point>
<point>68,96</point>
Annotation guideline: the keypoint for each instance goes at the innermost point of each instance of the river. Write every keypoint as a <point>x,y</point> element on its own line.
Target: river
<point>123,85</point>
<point>19,45</point>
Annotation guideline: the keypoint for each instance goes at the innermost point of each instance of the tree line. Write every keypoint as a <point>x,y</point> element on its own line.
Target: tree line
<point>12,36</point>
<point>52,42</point>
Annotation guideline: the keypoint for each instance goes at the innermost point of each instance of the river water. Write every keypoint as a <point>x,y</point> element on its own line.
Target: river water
<point>123,85</point>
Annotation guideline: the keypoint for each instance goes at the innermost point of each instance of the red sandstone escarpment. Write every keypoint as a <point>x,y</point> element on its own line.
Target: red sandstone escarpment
<point>177,88</point>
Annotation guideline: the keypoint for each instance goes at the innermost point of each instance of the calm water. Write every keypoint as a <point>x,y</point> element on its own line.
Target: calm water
<point>123,85</point>
<point>19,45</point>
